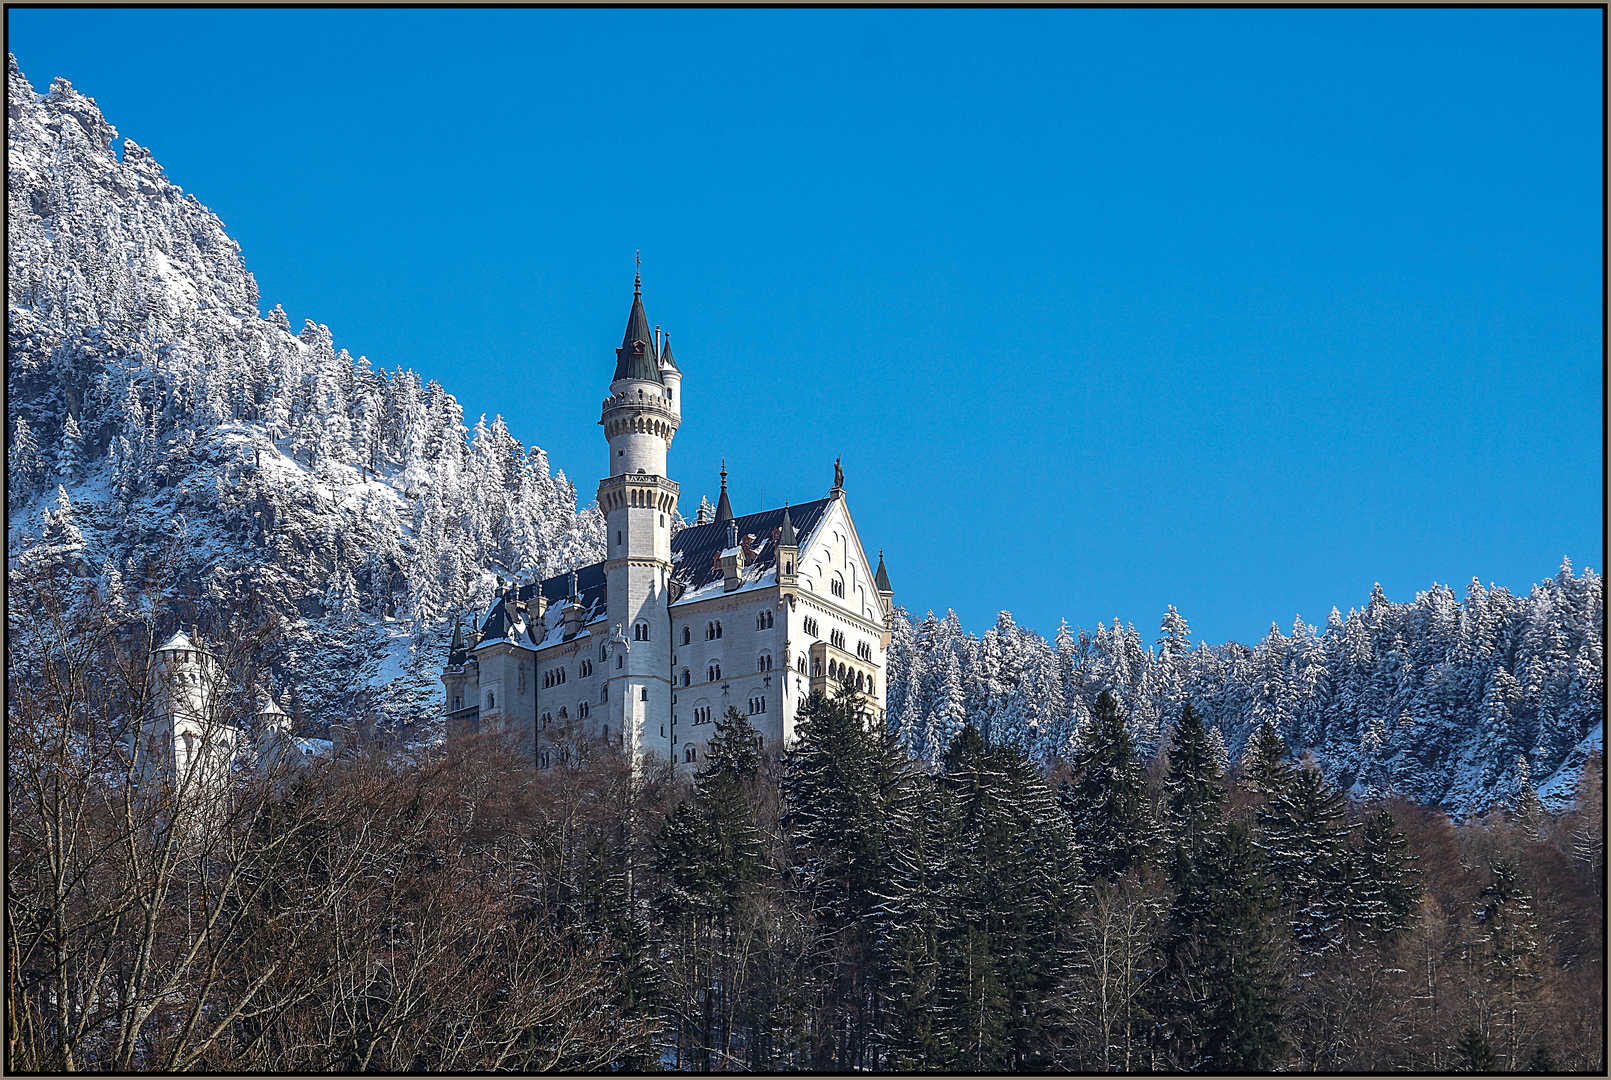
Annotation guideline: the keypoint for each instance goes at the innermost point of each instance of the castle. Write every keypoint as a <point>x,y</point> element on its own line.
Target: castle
<point>647,649</point>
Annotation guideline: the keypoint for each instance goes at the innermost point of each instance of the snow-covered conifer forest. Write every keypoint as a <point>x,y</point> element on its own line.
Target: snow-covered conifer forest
<point>1372,845</point>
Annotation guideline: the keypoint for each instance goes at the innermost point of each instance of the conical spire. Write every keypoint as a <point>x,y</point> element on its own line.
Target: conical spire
<point>786,537</point>
<point>457,653</point>
<point>665,354</point>
<point>635,358</point>
<point>724,509</point>
<point>881,579</point>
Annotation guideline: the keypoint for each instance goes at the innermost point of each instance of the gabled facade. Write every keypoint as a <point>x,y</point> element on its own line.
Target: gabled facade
<point>648,648</point>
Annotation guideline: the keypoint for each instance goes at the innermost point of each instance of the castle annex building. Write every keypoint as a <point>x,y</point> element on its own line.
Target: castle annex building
<point>651,646</point>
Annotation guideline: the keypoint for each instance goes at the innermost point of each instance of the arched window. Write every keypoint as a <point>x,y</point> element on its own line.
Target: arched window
<point>764,663</point>
<point>455,703</point>
<point>643,694</point>
<point>687,677</point>
<point>490,701</point>
<point>687,636</point>
<point>640,631</point>
<point>811,626</point>
<point>800,664</point>
<point>585,669</point>
<point>836,638</point>
<point>837,586</point>
<point>688,754</point>
<point>718,628</point>
<point>710,631</point>
<point>581,709</point>
<point>713,673</point>
<point>763,620</point>
<point>562,714</point>
<point>546,718</point>
<point>816,669</point>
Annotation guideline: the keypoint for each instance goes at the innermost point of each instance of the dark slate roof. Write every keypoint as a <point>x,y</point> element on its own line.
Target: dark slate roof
<point>457,652</point>
<point>635,359</point>
<point>590,581</point>
<point>881,579</point>
<point>698,545</point>
<point>665,354</point>
<point>787,537</point>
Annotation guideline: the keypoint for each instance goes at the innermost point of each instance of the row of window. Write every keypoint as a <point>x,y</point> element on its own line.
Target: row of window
<point>581,711</point>
<point>764,620</point>
<point>757,705</point>
<point>557,676</point>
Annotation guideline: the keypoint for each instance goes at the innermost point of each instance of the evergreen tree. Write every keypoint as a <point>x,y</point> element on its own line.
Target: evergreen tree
<point>1193,788</point>
<point>838,785</point>
<point>1392,891</point>
<point>1106,799</point>
<point>1013,868</point>
<point>1221,989</point>
<point>70,451</point>
<point>25,467</point>
<point>1265,768</point>
<point>1306,835</point>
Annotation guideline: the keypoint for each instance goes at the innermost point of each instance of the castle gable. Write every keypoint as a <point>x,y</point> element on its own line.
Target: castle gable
<point>831,556</point>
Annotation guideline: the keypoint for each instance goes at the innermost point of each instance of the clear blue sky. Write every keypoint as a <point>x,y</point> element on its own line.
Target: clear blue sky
<point>1106,310</point>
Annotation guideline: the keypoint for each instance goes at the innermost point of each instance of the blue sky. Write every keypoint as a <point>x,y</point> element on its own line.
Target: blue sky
<point>1239,311</point>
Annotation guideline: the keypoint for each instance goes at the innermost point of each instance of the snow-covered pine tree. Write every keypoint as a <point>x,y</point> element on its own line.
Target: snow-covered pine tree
<point>1106,797</point>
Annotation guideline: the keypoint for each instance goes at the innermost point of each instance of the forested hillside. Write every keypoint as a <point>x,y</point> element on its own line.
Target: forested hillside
<point>173,432</point>
<point>1447,702</point>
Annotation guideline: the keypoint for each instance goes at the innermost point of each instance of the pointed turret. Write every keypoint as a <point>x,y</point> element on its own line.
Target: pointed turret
<point>635,359</point>
<point>786,538</point>
<point>881,579</point>
<point>458,654</point>
<point>724,509</point>
<point>665,354</point>
<point>788,555</point>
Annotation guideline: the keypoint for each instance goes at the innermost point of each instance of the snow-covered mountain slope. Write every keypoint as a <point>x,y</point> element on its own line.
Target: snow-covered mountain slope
<point>166,427</point>
<point>1455,703</point>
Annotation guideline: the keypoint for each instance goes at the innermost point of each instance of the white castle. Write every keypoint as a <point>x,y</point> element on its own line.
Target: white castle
<point>650,647</point>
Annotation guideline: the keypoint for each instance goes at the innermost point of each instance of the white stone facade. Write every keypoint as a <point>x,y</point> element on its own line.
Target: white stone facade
<point>649,648</point>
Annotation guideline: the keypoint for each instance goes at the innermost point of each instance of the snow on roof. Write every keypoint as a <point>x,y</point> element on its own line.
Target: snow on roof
<point>694,550</point>
<point>312,747</point>
<point>181,640</point>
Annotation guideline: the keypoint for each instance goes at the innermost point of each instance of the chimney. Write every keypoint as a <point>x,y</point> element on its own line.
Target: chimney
<point>573,617</point>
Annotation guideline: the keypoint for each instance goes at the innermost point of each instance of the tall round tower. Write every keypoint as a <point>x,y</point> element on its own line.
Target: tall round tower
<point>640,417</point>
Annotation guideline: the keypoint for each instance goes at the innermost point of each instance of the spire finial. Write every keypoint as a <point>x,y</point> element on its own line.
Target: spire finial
<point>724,507</point>
<point>637,275</point>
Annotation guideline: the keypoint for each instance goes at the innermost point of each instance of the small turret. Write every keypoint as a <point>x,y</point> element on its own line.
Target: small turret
<point>788,553</point>
<point>457,652</point>
<point>671,375</point>
<point>724,509</point>
<point>881,582</point>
